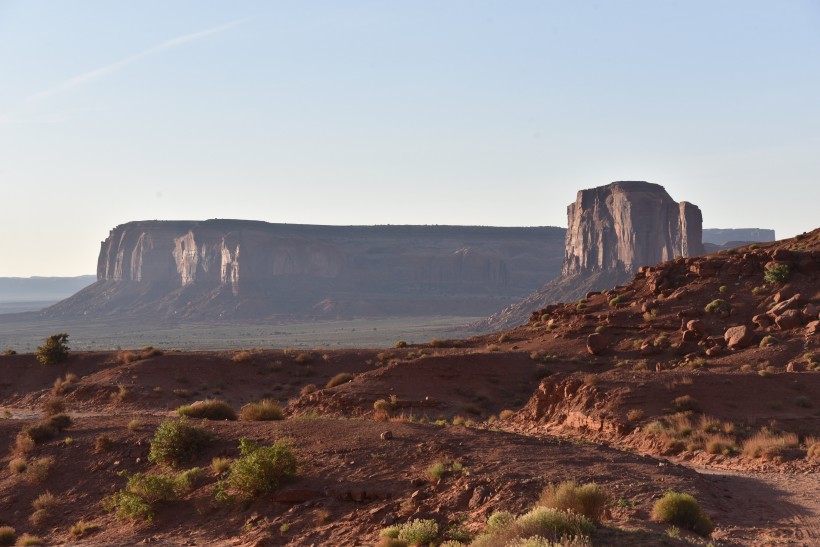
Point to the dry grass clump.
(18, 465)
(383, 409)
(130, 356)
(264, 410)
(686, 402)
(682, 510)
(82, 528)
(812, 448)
(38, 469)
(414, 532)
(27, 540)
(63, 385)
(54, 405)
(505, 414)
(210, 409)
(339, 379)
(103, 443)
(220, 465)
(7, 535)
(589, 500)
(683, 431)
(635, 415)
(303, 359)
(41, 431)
(769, 445)
(540, 524)
(241, 357)
(42, 506)
(308, 389)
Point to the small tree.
(54, 350)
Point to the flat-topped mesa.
(628, 224)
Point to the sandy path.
(766, 508)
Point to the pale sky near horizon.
(424, 112)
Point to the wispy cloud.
(91, 75)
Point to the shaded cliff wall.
(256, 270)
(625, 225)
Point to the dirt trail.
(766, 508)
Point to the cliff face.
(625, 225)
(202, 270)
(612, 231)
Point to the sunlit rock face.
(218, 269)
(625, 225)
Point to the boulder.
(597, 343)
(813, 328)
(763, 320)
(792, 303)
(690, 336)
(739, 337)
(697, 325)
(809, 312)
(789, 319)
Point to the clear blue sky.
(422, 112)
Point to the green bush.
(176, 442)
(128, 506)
(776, 274)
(682, 510)
(401, 344)
(54, 350)
(261, 469)
(616, 300)
(414, 532)
(211, 409)
(717, 305)
(588, 499)
(264, 410)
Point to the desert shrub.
(150, 351)
(682, 510)
(308, 389)
(177, 441)
(220, 465)
(128, 506)
(769, 445)
(723, 288)
(339, 379)
(686, 402)
(211, 409)
(812, 448)
(635, 414)
(42, 431)
(27, 540)
(261, 469)
(505, 414)
(303, 359)
(383, 410)
(616, 300)
(134, 425)
(589, 500)
(549, 523)
(9, 352)
(54, 405)
(499, 520)
(82, 528)
(717, 305)
(125, 357)
(436, 471)
(264, 410)
(18, 465)
(62, 385)
(413, 532)
(241, 357)
(103, 443)
(46, 500)
(776, 274)
(719, 444)
(661, 341)
(7, 535)
(54, 350)
(38, 469)
(767, 341)
(401, 344)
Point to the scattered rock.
(789, 319)
(690, 336)
(813, 328)
(479, 493)
(762, 320)
(386, 435)
(792, 303)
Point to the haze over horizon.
(369, 113)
